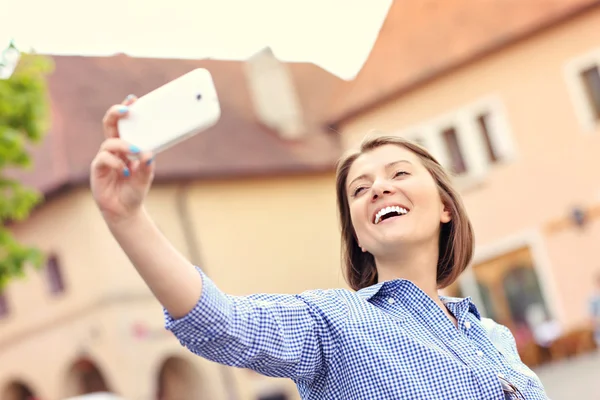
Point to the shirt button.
(467, 324)
(479, 353)
(391, 300)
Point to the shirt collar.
(370, 291)
(456, 303)
(453, 303)
(386, 288)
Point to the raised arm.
(171, 277)
(289, 336)
(119, 187)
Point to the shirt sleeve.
(290, 336)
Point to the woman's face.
(393, 201)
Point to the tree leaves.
(24, 110)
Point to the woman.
(405, 235)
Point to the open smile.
(389, 212)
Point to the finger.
(129, 100)
(121, 148)
(142, 170)
(145, 163)
(112, 116)
(110, 162)
(146, 159)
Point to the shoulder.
(504, 341)
(500, 335)
(328, 298)
(324, 302)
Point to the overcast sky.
(335, 34)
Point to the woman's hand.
(120, 174)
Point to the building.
(506, 94)
(238, 199)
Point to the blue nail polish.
(123, 109)
(134, 149)
(150, 161)
(126, 172)
(130, 97)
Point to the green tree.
(24, 111)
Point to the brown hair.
(456, 236)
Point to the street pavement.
(575, 379)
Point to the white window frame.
(473, 146)
(501, 134)
(583, 109)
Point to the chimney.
(274, 96)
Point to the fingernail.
(130, 97)
(150, 161)
(134, 149)
(126, 172)
(123, 109)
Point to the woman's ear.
(446, 215)
(358, 243)
(359, 246)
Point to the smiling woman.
(400, 172)
(406, 234)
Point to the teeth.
(387, 210)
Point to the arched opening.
(17, 391)
(178, 379)
(84, 377)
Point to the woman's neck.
(417, 264)
(419, 267)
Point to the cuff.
(207, 320)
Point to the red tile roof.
(420, 40)
(82, 88)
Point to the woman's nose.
(380, 189)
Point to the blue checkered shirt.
(387, 341)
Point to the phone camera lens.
(198, 97)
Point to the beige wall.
(273, 235)
(555, 166)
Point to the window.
(4, 308)
(469, 140)
(457, 159)
(483, 125)
(582, 76)
(56, 283)
(591, 82)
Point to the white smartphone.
(172, 113)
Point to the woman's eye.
(400, 173)
(358, 190)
